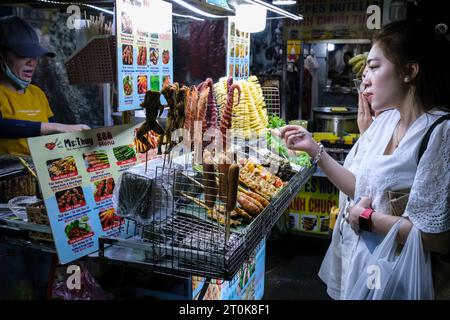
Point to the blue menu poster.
(238, 52)
(144, 50)
(77, 174)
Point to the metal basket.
(272, 99)
(94, 63)
(37, 213)
(184, 242)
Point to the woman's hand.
(298, 138)
(74, 127)
(52, 128)
(353, 213)
(364, 118)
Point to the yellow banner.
(332, 19)
(310, 209)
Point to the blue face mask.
(22, 84)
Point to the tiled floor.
(292, 264)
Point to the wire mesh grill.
(272, 99)
(181, 240)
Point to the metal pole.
(107, 109)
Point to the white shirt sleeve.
(428, 207)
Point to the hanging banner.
(238, 52)
(77, 174)
(144, 49)
(332, 19)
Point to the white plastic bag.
(388, 276)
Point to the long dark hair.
(404, 42)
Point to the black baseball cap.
(19, 37)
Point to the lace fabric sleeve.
(428, 207)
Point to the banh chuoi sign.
(335, 19)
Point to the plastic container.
(18, 205)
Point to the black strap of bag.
(426, 137)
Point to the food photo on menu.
(154, 56)
(127, 54)
(231, 49)
(69, 199)
(142, 56)
(127, 25)
(128, 85)
(62, 168)
(103, 189)
(109, 219)
(154, 83)
(96, 160)
(124, 153)
(142, 83)
(309, 223)
(165, 56)
(78, 230)
(166, 80)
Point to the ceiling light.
(250, 18)
(284, 2)
(187, 16)
(276, 9)
(196, 10)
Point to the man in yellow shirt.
(24, 108)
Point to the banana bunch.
(358, 63)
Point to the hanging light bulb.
(284, 2)
(250, 17)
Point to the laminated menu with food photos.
(144, 50)
(77, 175)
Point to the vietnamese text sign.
(77, 174)
(144, 49)
(332, 19)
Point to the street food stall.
(193, 191)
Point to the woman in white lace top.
(407, 68)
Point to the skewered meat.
(252, 200)
(209, 180)
(227, 112)
(233, 182)
(152, 106)
(248, 205)
(263, 201)
(223, 167)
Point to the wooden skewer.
(195, 200)
(27, 166)
(193, 180)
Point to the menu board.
(247, 284)
(238, 52)
(77, 174)
(144, 49)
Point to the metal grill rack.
(184, 242)
(272, 99)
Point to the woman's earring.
(407, 79)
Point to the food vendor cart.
(79, 218)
